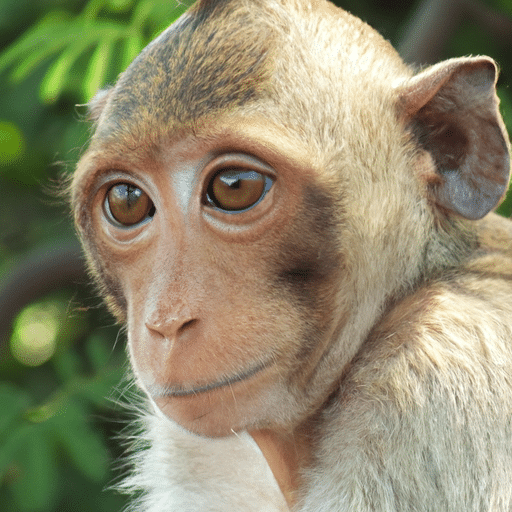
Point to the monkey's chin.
(217, 409)
(216, 413)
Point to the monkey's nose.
(172, 328)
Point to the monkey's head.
(262, 181)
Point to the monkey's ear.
(453, 109)
(97, 104)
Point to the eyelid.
(111, 177)
(238, 161)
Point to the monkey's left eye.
(128, 205)
(236, 190)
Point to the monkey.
(297, 230)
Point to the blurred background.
(62, 357)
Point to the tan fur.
(357, 321)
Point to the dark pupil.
(133, 194)
(232, 183)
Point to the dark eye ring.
(235, 190)
(127, 205)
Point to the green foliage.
(505, 5)
(41, 436)
(67, 37)
(12, 142)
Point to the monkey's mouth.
(174, 391)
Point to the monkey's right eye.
(237, 190)
(128, 205)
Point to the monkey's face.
(210, 230)
(222, 268)
(250, 225)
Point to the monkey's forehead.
(224, 55)
(210, 60)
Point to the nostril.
(187, 325)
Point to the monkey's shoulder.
(494, 234)
(431, 386)
(436, 344)
(437, 338)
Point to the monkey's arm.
(423, 421)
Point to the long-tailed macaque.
(294, 226)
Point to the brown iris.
(128, 204)
(237, 190)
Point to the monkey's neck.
(286, 454)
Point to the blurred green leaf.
(119, 5)
(100, 390)
(55, 79)
(36, 44)
(12, 443)
(160, 13)
(12, 143)
(74, 37)
(132, 46)
(67, 364)
(83, 444)
(91, 10)
(36, 488)
(98, 352)
(506, 5)
(143, 11)
(59, 31)
(13, 401)
(97, 69)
